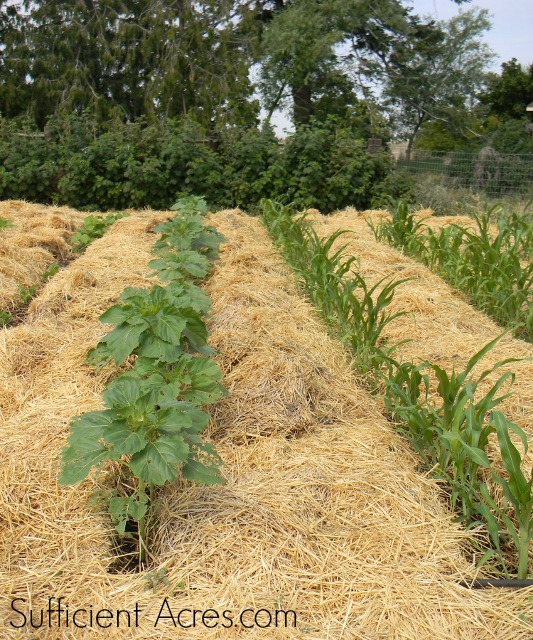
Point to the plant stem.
(142, 529)
(523, 553)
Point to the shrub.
(151, 164)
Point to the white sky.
(511, 35)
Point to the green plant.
(451, 438)
(156, 578)
(353, 310)
(27, 293)
(517, 493)
(93, 227)
(5, 319)
(492, 269)
(50, 272)
(402, 230)
(5, 223)
(152, 420)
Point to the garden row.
(33, 248)
(152, 421)
(451, 432)
(492, 267)
(323, 511)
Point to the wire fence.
(488, 172)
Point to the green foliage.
(325, 167)
(144, 58)
(152, 422)
(93, 227)
(155, 433)
(50, 272)
(452, 438)
(512, 136)
(517, 493)
(356, 312)
(508, 94)
(6, 319)
(5, 223)
(150, 164)
(490, 270)
(26, 293)
(156, 578)
(451, 434)
(155, 323)
(28, 165)
(432, 72)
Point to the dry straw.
(439, 324)
(38, 238)
(323, 511)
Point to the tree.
(136, 57)
(433, 72)
(298, 48)
(304, 48)
(508, 94)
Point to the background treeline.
(137, 164)
(126, 103)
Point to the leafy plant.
(517, 493)
(49, 273)
(156, 578)
(5, 223)
(5, 319)
(27, 293)
(152, 323)
(451, 438)
(152, 420)
(401, 230)
(93, 227)
(353, 310)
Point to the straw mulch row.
(440, 325)
(437, 222)
(40, 237)
(322, 512)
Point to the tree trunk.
(302, 104)
(412, 137)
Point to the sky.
(512, 22)
(511, 35)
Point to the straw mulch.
(323, 511)
(440, 326)
(40, 237)
(435, 222)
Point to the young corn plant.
(517, 523)
(401, 231)
(451, 437)
(350, 308)
(152, 422)
(494, 270)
